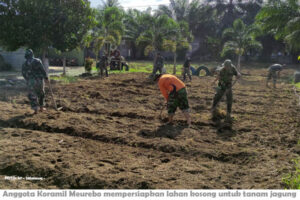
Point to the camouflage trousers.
(157, 68)
(186, 70)
(36, 93)
(272, 75)
(102, 69)
(219, 95)
(178, 99)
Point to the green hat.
(28, 53)
(227, 63)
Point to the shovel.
(52, 97)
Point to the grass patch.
(297, 85)
(147, 67)
(65, 79)
(292, 180)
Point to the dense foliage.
(64, 25)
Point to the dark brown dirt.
(109, 136)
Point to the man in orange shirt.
(175, 95)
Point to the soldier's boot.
(36, 110)
(274, 84)
(170, 119)
(214, 114)
(228, 118)
(42, 109)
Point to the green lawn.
(297, 85)
(65, 79)
(147, 66)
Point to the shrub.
(88, 65)
(292, 180)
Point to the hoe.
(52, 98)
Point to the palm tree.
(109, 3)
(180, 41)
(227, 11)
(134, 26)
(240, 39)
(177, 9)
(293, 36)
(157, 29)
(109, 30)
(281, 18)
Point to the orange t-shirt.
(167, 82)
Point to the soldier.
(226, 72)
(274, 73)
(186, 68)
(124, 64)
(34, 73)
(102, 66)
(175, 95)
(158, 65)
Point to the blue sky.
(138, 4)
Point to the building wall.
(77, 54)
(15, 58)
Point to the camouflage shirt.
(275, 68)
(226, 75)
(187, 64)
(159, 61)
(33, 69)
(102, 63)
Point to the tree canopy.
(282, 19)
(64, 24)
(40, 24)
(240, 39)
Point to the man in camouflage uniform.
(34, 73)
(186, 68)
(159, 64)
(226, 72)
(124, 64)
(102, 66)
(274, 73)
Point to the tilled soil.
(109, 135)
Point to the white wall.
(15, 58)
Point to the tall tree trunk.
(174, 68)
(97, 52)
(133, 52)
(44, 51)
(154, 56)
(45, 60)
(64, 65)
(239, 63)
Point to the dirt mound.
(109, 135)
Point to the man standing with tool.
(226, 72)
(187, 69)
(102, 66)
(175, 95)
(158, 64)
(34, 73)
